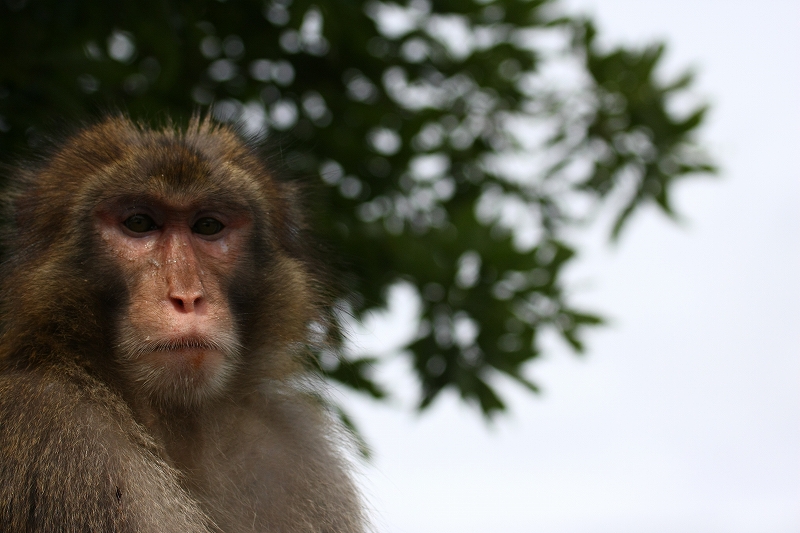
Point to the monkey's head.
(171, 259)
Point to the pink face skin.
(177, 337)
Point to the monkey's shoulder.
(74, 460)
(42, 408)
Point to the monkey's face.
(177, 337)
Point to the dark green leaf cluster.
(633, 131)
(411, 117)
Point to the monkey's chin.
(184, 376)
(182, 372)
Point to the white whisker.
(174, 380)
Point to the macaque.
(158, 303)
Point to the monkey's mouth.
(196, 352)
(184, 344)
(137, 346)
(191, 357)
(183, 368)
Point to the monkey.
(159, 300)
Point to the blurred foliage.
(453, 142)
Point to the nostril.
(186, 304)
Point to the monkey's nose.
(186, 295)
(186, 303)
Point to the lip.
(183, 344)
(192, 356)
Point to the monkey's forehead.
(177, 159)
(181, 179)
(119, 156)
(229, 206)
(115, 159)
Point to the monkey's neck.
(183, 433)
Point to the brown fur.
(86, 444)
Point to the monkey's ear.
(293, 233)
(42, 191)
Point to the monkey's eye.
(207, 226)
(140, 223)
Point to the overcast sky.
(684, 415)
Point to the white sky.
(684, 416)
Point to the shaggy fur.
(91, 442)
